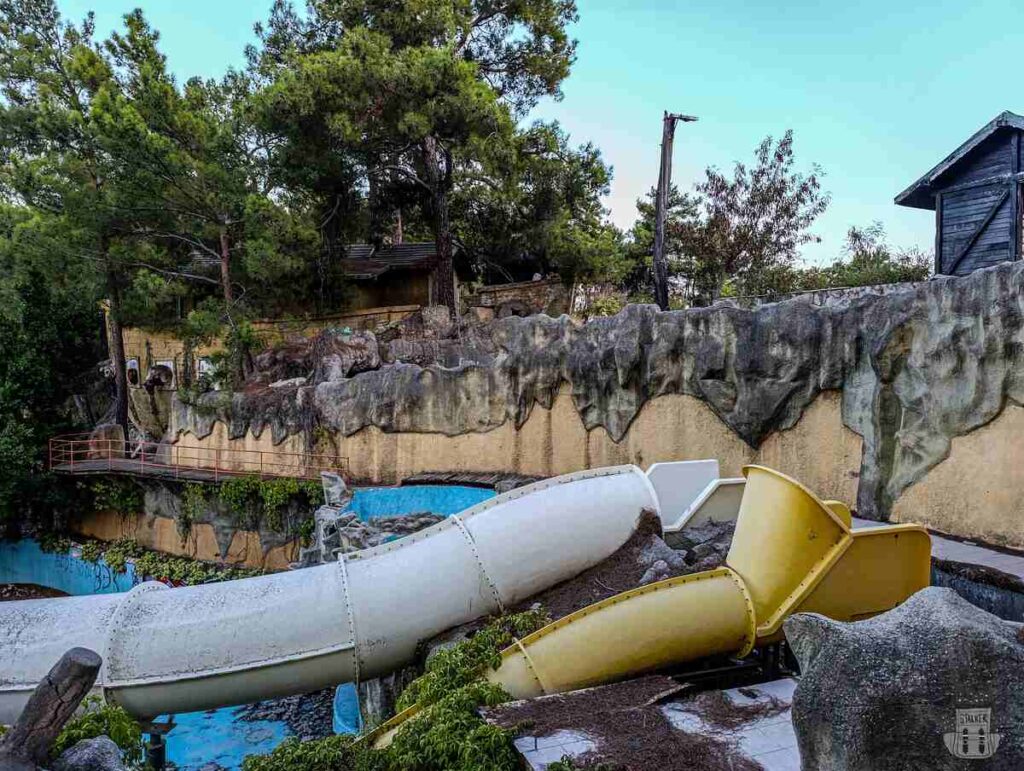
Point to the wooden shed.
(975, 193)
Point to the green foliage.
(194, 500)
(448, 735)
(461, 664)
(100, 719)
(334, 753)
(163, 567)
(92, 551)
(49, 328)
(117, 554)
(451, 735)
(606, 305)
(746, 227)
(117, 494)
(52, 543)
(189, 572)
(253, 502)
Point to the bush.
(448, 734)
(120, 495)
(103, 720)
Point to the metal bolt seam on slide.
(457, 521)
(213, 645)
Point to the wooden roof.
(921, 194)
(365, 262)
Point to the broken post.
(51, 705)
(660, 265)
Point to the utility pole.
(668, 132)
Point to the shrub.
(120, 495)
(448, 734)
(103, 720)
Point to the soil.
(621, 572)
(10, 592)
(624, 720)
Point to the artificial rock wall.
(905, 401)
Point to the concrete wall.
(161, 534)
(819, 449)
(978, 491)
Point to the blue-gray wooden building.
(975, 193)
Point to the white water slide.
(202, 647)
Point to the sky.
(876, 92)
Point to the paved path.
(969, 553)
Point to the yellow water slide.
(791, 552)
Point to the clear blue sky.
(876, 92)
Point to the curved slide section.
(791, 552)
(203, 647)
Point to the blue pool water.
(218, 736)
(373, 502)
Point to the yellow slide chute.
(791, 552)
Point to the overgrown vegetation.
(448, 734)
(255, 503)
(180, 571)
(99, 719)
(117, 494)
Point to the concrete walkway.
(969, 553)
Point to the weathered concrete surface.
(916, 367)
(881, 694)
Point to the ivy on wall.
(156, 565)
(117, 494)
(251, 502)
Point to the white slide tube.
(203, 647)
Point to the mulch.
(626, 723)
(13, 592)
(621, 572)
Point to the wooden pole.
(51, 705)
(668, 131)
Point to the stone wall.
(904, 402)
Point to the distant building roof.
(364, 261)
(921, 195)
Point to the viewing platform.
(85, 454)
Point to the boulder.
(99, 754)
(934, 684)
(341, 353)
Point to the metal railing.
(85, 454)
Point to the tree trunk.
(52, 703)
(225, 266)
(439, 180)
(116, 334)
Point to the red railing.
(85, 454)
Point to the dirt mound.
(643, 559)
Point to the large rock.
(99, 754)
(884, 694)
(339, 354)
